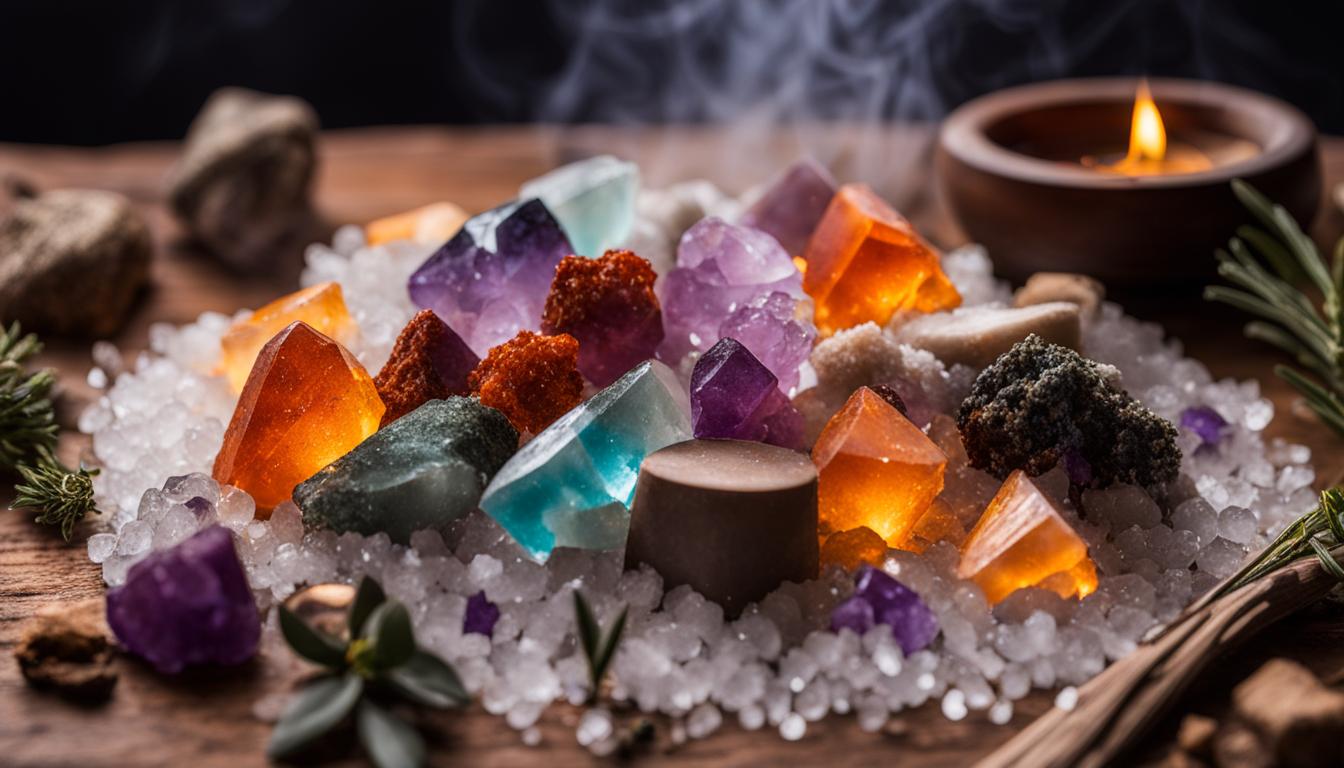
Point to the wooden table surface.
(205, 719)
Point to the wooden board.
(206, 719)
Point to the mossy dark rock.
(424, 470)
(1039, 404)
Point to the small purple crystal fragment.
(794, 203)
(187, 605)
(855, 613)
(720, 267)
(912, 624)
(1077, 467)
(734, 396)
(199, 506)
(1205, 422)
(490, 281)
(770, 327)
(480, 616)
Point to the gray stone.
(242, 185)
(72, 262)
(424, 470)
(1044, 287)
(976, 336)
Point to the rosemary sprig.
(379, 663)
(1291, 321)
(1313, 533)
(28, 432)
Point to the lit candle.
(1150, 153)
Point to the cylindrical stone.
(732, 519)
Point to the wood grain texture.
(204, 718)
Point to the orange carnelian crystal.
(865, 262)
(321, 307)
(937, 524)
(306, 403)
(433, 223)
(1022, 541)
(876, 469)
(852, 548)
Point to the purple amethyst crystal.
(790, 209)
(855, 613)
(187, 605)
(720, 267)
(1205, 422)
(734, 396)
(912, 624)
(770, 327)
(480, 616)
(490, 281)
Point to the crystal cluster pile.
(932, 587)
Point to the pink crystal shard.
(490, 281)
(790, 209)
(720, 267)
(733, 396)
(770, 326)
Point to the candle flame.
(1147, 135)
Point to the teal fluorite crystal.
(423, 470)
(593, 199)
(572, 484)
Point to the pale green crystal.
(593, 199)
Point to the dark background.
(100, 72)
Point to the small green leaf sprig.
(378, 664)
(598, 648)
(28, 430)
(1289, 318)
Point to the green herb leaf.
(316, 710)
(389, 630)
(61, 498)
(426, 679)
(1328, 561)
(310, 643)
(589, 633)
(609, 646)
(368, 595)
(390, 741)
(27, 417)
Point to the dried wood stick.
(1118, 707)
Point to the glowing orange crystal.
(1022, 541)
(865, 262)
(431, 224)
(306, 403)
(321, 307)
(532, 379)
(852, 548)
(938, 523)
(877, 469)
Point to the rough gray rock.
(72, 262)
(242, 185)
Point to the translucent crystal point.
(490, 281)
(877, 469)
(865, 262)
(1023, 541)
(572, 484)
(321, 306)
(306, 403)
(793, 204)
(594, 200)
(734, 396)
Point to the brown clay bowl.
(1008, 168)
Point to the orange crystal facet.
(876, 469)
(852, 548)
(939, 523)
(431, 224)
(321, 307)
(306, 403)
(531, 379)
(1023, 541)
(865, 262)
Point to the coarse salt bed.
(158, 425)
